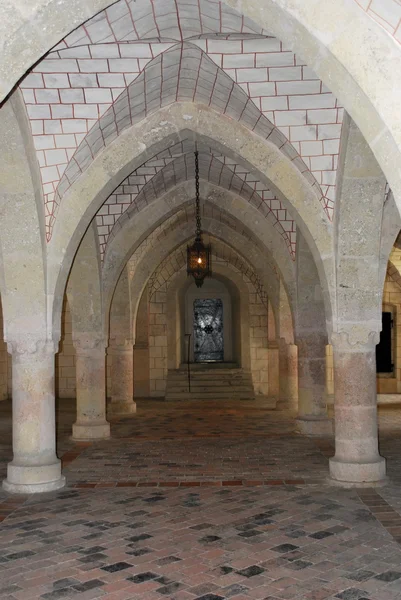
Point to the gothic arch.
(167, 126)
(365, 81)
(136, 230)
(22, 248)
(176, 240)
(232, 279)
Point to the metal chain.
(198, 217)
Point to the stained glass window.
(208, 330)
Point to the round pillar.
(91, 421)
(312, 412)
(35, 466)
(288, 369)
(357, 461)
(122, 380)
(292, 375)
(273, 371)
(329, 381)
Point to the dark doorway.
(384, 363)
(208, 330)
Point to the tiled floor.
(189, 502)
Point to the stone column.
(329, 381)
(312, 411)
(288, 373)
(357, 460)
(273, 366)
(292, 377)
(91, 421)
(311, 339)
(35, 466)
(122, 380)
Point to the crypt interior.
(200, 281)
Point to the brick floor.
(202, 502)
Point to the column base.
(353, 474)
(90, 431)
(33, 479)
(318, 426)
(283, 404)
(121, 408)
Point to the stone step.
(209, 374)
(209, 396)
(211, 389)
(207, 381)
(210, 383)
(210, 366)
(220, 385)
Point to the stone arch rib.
(181, 74)
(214, 170)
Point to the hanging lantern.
(199, 254)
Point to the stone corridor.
(201, 501)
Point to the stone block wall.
(150, 362)
(386, 383)
(141, 372)
(258, 341)
(392, 302)
(65, 358)
(329, 371)
(109, 362)
(141, 349)
(158, 342)
(65, 363)
(5, 363)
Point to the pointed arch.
(184, 73)
(365, 80)
(168, 126)
(217, 173)
(136, 230)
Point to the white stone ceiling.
(125, 63)
(173, 20)
(165, 172)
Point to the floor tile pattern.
(208, 530)
(281, 542)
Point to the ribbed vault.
(183, 73)
(141, 189)
(221, 252)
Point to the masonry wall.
(258, 328)
(65, 358)
(5, 362)
(141, 350)
(386, 383)
(391, 383)
(158, 342)
(150, 350)
(258, 319)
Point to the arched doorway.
(209, 327)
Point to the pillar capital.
(31, 345)
(120, 344)
(85, 343)
(355, 339)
